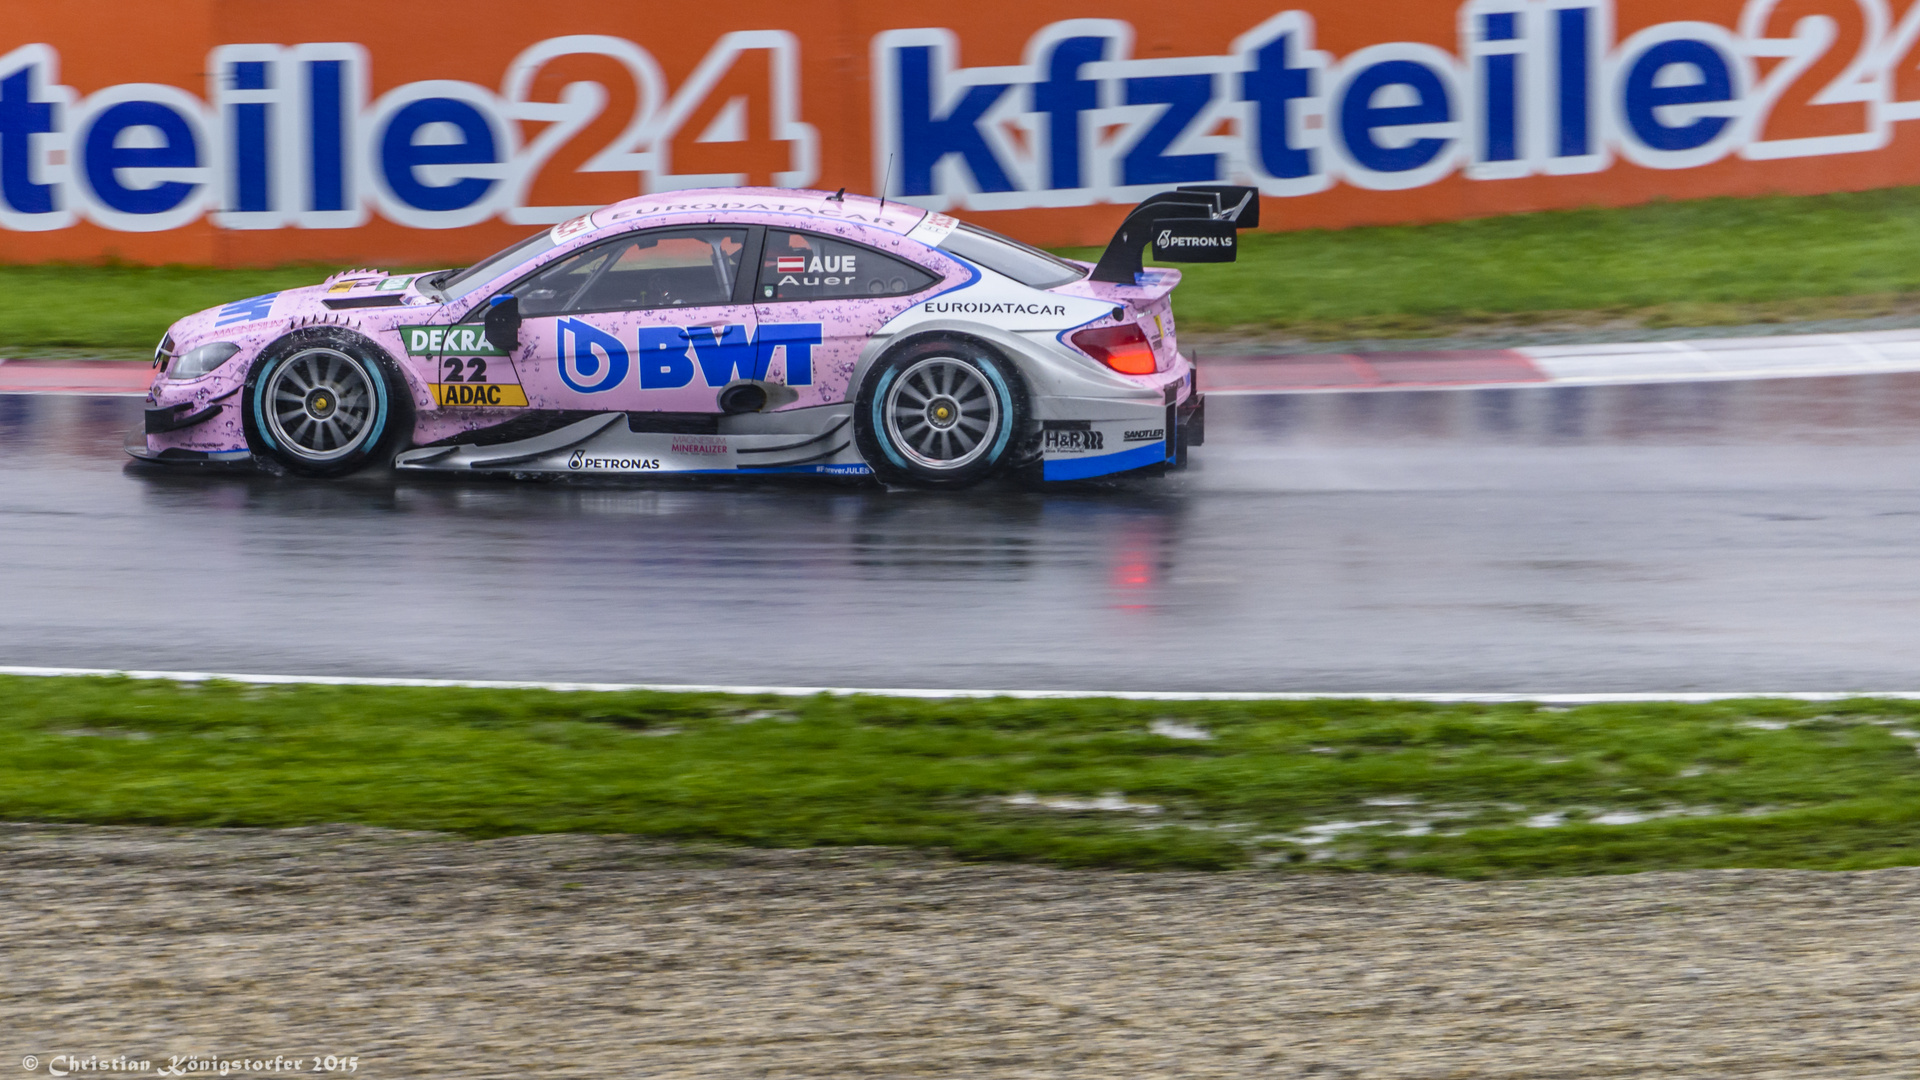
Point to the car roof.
(766, 206)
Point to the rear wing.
(1188, 224)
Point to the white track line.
(847, 691)
(1787, 356)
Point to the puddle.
(95, 733)
(765, 714)
(1766, 725)
(1327, 831)
(1393, 800)
(1111, 801)
(1174, 729)
(1589, 816)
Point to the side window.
(801, 266)
(678, 268)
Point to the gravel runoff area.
(578, 956)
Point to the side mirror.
(503, 323)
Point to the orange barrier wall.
(240, 132)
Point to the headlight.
(197, 362)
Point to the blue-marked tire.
(325, 403)
(941, 412)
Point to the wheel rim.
(942, 413)
(320, 404)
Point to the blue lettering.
(1572, 25)
(725, 356)
(250, 310)
(664, 363)
(327, 170)
(104, 160)
(21, 118)
(1360, 118)
(1642, 97)
(579, 364)
(925, 139)
(1270, 86)
(250, 140)
(799, 340)
(1063, 97)
(1501, 135)
(400, 155)
(1184, 97)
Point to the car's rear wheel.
(939, 413)
(323, 403)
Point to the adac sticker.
(465, 339)
(480, 395)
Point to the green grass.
(120, 309)
(1816, 786)
(1708, 262)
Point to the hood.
(370, 296)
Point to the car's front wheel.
(939, 413)
(323, 403)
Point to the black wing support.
(1188, 224)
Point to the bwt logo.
(1533, 87)
(593, 360)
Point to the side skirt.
(816, 441)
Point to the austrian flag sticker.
(792, 264)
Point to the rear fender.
(1010, 347)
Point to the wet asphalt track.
(1711, 536)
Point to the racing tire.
(939, 413)
(325, 403)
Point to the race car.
(739, 330)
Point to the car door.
(823, 297)
(652, 321)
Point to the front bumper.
(139, 446)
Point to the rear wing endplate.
(1188, 224)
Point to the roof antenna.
(886, 180)
(838, 196)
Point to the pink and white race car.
(719, 331)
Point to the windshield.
(457, 283)
(1023, 263)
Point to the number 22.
(475, 370)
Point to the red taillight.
(1125, 349)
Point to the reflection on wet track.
(1710, 536)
